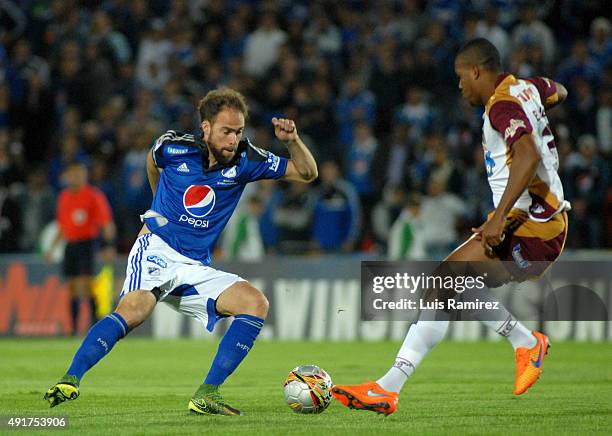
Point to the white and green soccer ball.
(308, 389)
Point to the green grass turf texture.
(144, 385)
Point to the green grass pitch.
(144, 385)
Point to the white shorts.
(187, 286)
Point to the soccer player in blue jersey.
(197, 181)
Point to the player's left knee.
(243, 298)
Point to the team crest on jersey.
(513, 127)
(230, 173)
(518, 257)
(199, 200)
(273, 161)
(489, 163)
(157, 260)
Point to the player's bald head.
(480, 52)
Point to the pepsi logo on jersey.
(198, 201)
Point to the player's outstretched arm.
(302, 166)
(152, 172)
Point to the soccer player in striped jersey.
(522, 236)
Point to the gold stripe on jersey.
(519, 224)
(539, 187)
(502, 93)
(545, 231)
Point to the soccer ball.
(308, 389)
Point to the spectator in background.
(37, 203)
(14, 22)
(441, 212)
(600, 42)
(580, 65)
(337, 212)
(82, 213)
(96, 70)
(355, 104)
(23, 64)
(113, 44)
(70, 151)
(360, 168)
(323, 128)
(406, 236)
(490, 29)
(438, 43)
(583, 111)
(519, 61)
(241, 238)
(394, 159)
(386, 84)
(152, 66)
(33, 116)
(588, 189)
(441, 167)
(416, 112)
(293, 217)
(386, 211)
(70, 85)
(233, 46)
(410, 21)
(531, 30)
(261, 49)
(325, 34)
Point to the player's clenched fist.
(284, 129)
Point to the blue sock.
(233, 348)
(100, 339)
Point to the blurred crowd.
(369, 83)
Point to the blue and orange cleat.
(367, 396)
(529, 363)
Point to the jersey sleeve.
(103, 210)
(263, 164)
(509, 119)
(547, 89)
(159, 157)
(62, 214)
(170, 146)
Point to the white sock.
(421, 338)
(501, 320)
(514, 330)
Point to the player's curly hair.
(218, 99)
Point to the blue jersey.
(193, 203)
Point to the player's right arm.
(153, 172)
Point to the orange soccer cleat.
(529, 363)
(367, 396)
